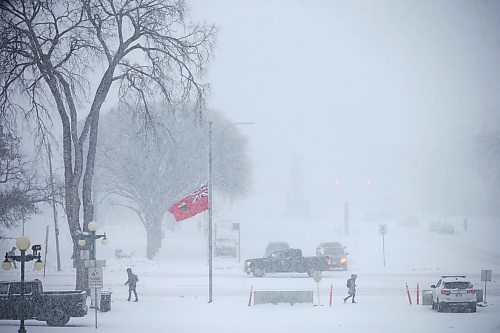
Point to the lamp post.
(23, 243)
(92, 236)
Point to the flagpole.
(210, 212)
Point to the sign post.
(383, 230)
(236, 227)
(95, 280)
(317, 276)
(486, 277)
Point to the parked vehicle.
(453, 291)
(226, 247)
(275, 246)
(287, 261)
(54, 307)
(441, 227)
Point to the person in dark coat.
(132, 283)
(351, 284)
(13, 253)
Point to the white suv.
(453, 291)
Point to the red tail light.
(445, 292)
(329, 262)
(471, 291)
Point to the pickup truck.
(287, 261)
(54, 307)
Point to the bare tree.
(20, 188)
(148, 170)
(52, 54)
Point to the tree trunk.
(74, 225)
(154, 234)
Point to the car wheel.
(440, 306)
(257, 272)
(473, 307)
(57, 317)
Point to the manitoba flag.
(191, 205)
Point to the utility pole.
(54, 210)
(46, 249)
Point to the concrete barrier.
(281, 296)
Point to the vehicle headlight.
(343, 260)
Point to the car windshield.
(457, 285)
(331, 244)
(15, 289)
(4, 289)
(334, 251)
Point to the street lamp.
(92, 236)
(23, 243)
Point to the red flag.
(191, 205)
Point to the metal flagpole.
(210, 213)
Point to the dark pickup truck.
(287, 261)
(54, 307)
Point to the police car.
(453, 291)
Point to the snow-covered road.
(173, 289)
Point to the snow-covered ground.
(173, 289)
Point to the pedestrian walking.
(351, 285)
(13, 253)
(132, 283)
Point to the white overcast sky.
(353, 91)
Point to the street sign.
(95, 263)
(382, 229)
(317, 276)
(84, 254)
(95, 277)
(486, 275)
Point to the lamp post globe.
(6, 265)
(38, 265)
(23, 243)
(93, 226)
(104, 241)
(81, 242)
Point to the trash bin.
(427, 297)
(105, 301)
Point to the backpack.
(348, 283)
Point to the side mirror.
(433, 286)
